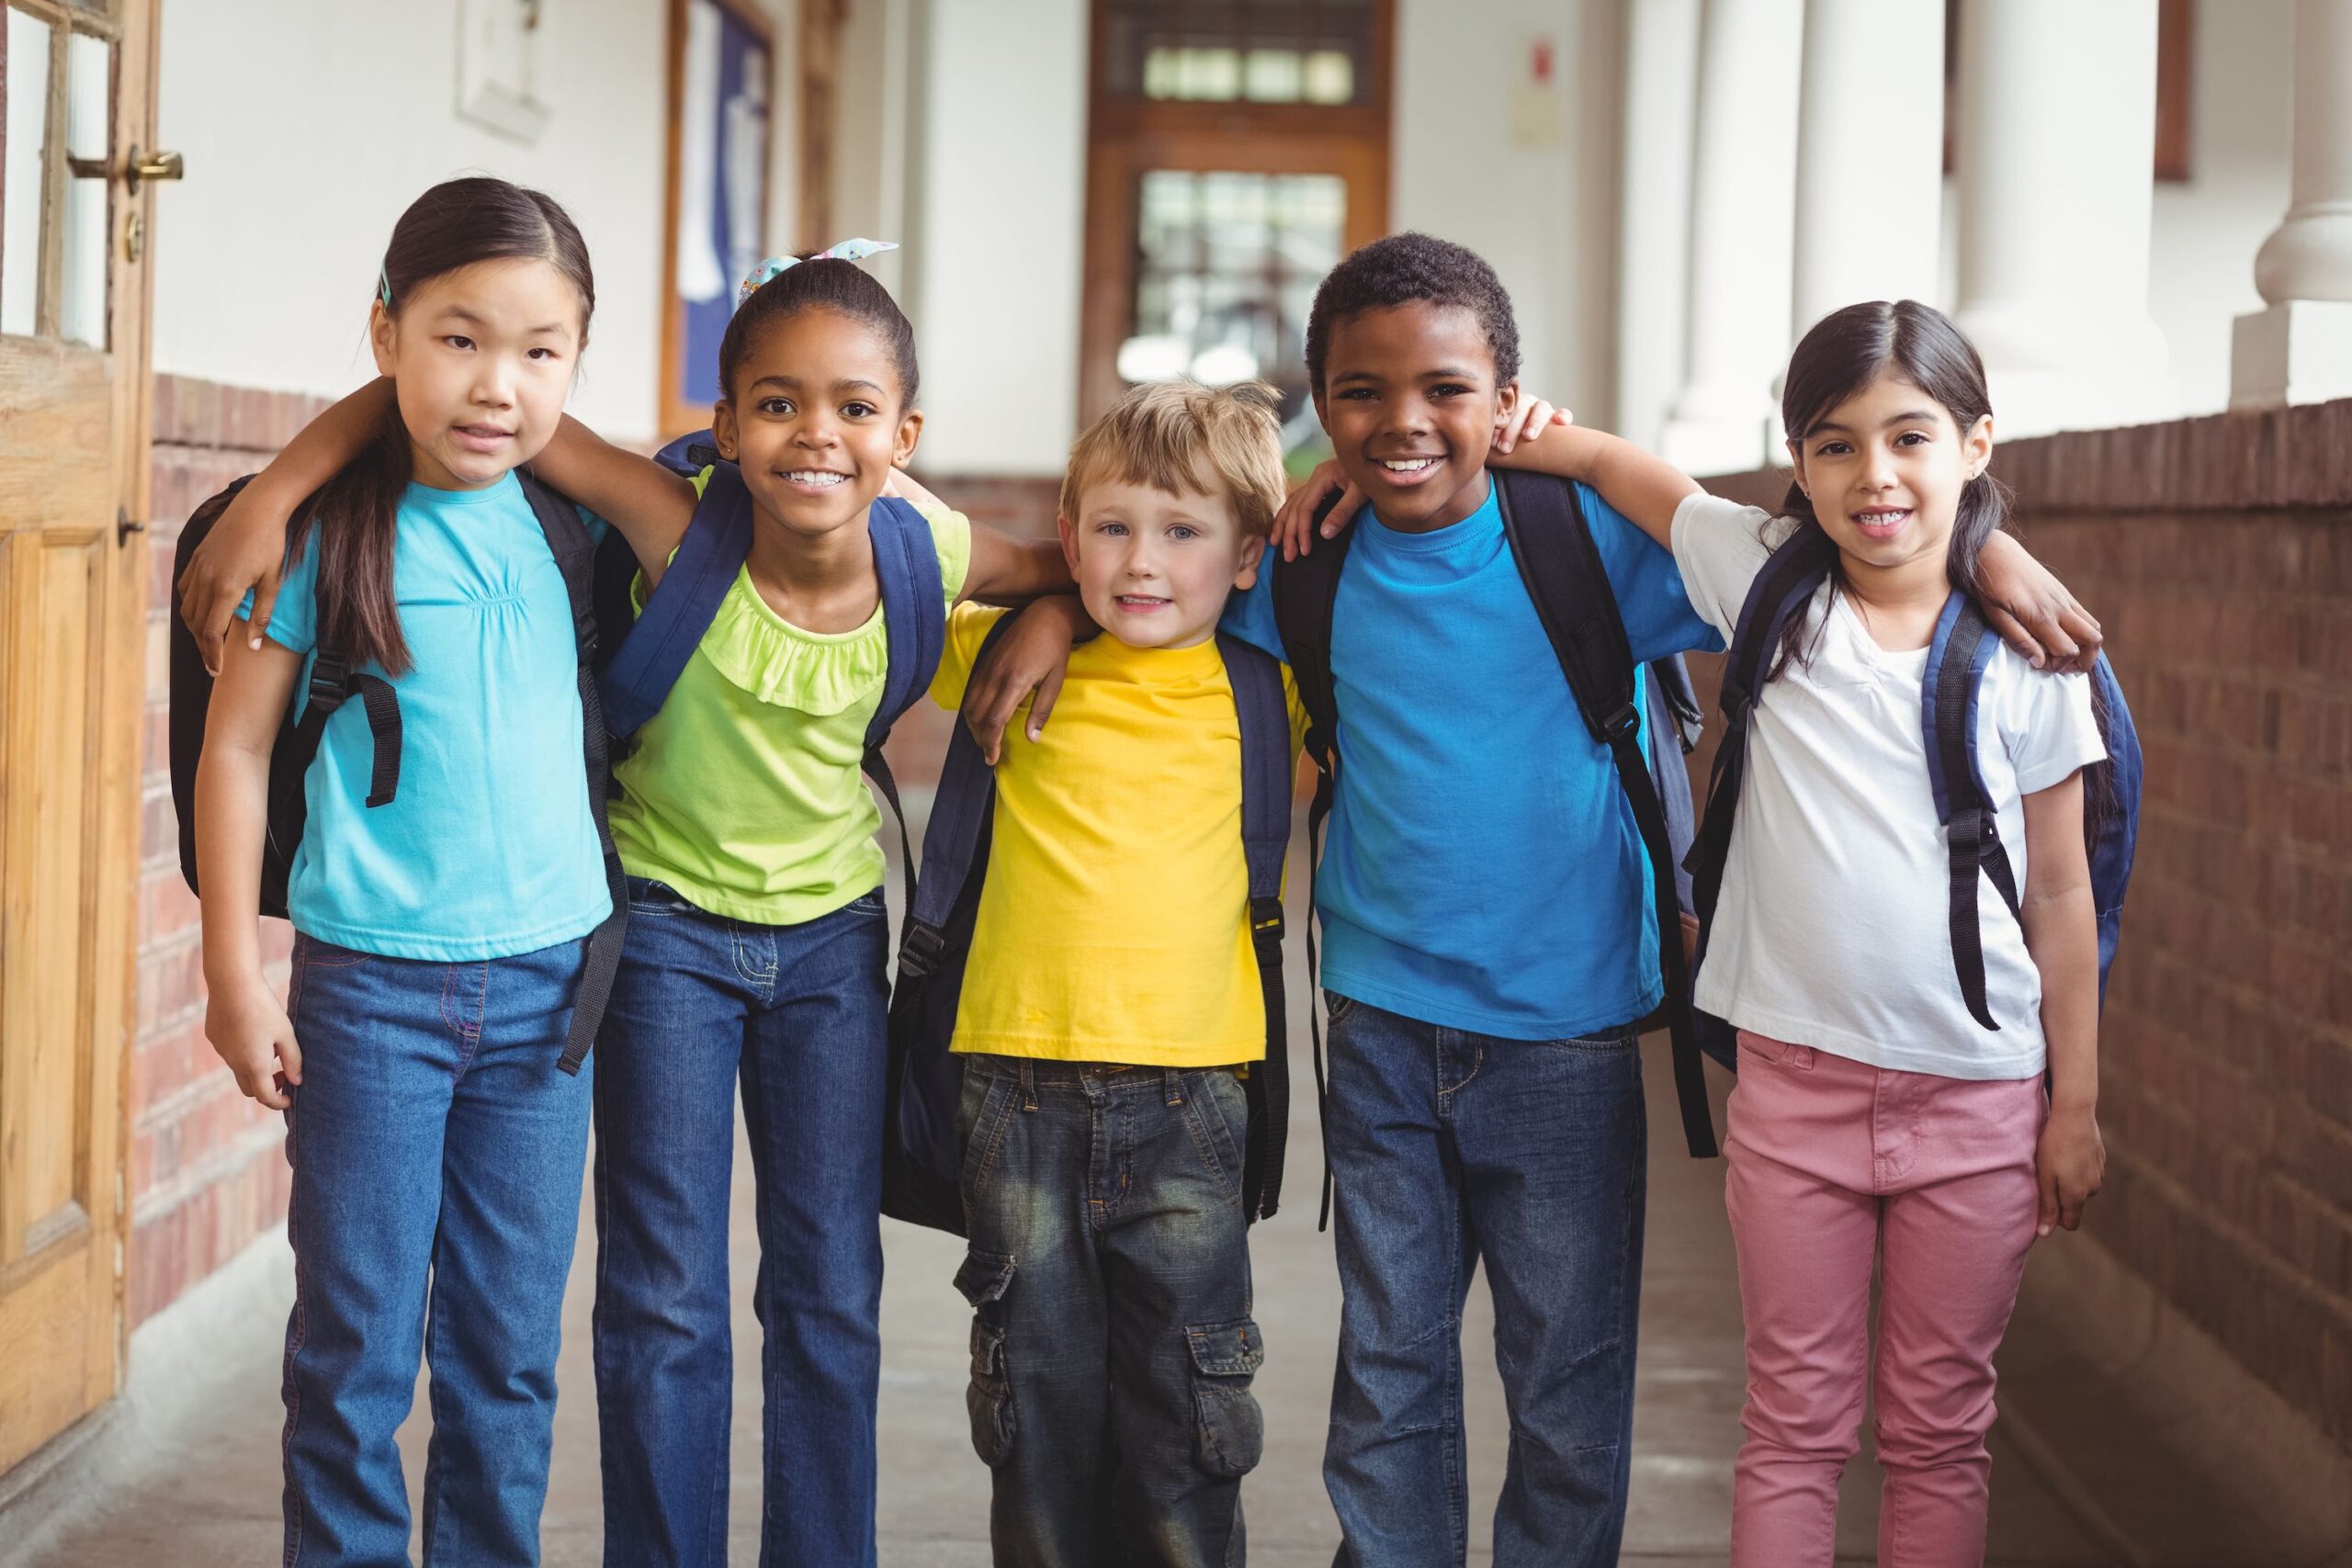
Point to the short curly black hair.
(1406, 267)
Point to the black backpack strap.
(962, 809)
(1258, 700)
(575, 557)
(914, 617)
(1568, 583)
(1957, 657)
(1305, 590)
(333, 683)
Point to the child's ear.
(1507, 400)
(1977, 446)
(380, 337)
(1253, 551)
(1797, 462)
(1068, 531)
(723, 434)
(910, 433)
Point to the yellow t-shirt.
(1113, 925)
(743, 792)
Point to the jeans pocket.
(1337, 1007)
(1624, 1038)
(309, 953)
(1780, 1053)
(982, 1112)
(1230, 1431)
(983, 1279)
(1216, 1110)
(646, 896)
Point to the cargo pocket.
(1229, 1432)
(984, 1278)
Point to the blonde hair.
(1163, 434)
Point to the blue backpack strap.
(1257, 702)
(1957, 657)
(1782, 587)
(575, 557)
(922, 1156)
(681, 605)
(2115, 841)
(914, 618)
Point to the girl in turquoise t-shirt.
(436, 1149)
(757, 939)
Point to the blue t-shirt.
(489, 848)
(1482, 870)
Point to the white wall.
(1544, 215)
(996, 243)
(310, 125)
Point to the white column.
(1743, 204)
(2300, 350)
(2056, 156)
(1654, 213)
(1870, 155)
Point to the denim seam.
(1196, 1122)
(297, 1332)
(436, 1515)
(469, 1037)
(995, 1127)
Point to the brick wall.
(2216, 554)
(206, 1175)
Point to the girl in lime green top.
(757, 936)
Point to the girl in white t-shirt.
(1875, 1119)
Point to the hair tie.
(775, 267)
(384, 286)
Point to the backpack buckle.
(918, 953)
(329, 683)
(1622, 725)
(1266, 920)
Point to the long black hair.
(1845, 352)
(454, 225)
(825, 283)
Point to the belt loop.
(1028, 1087)
(1171, 1079)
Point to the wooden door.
(78, 77)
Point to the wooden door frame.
(1127, 136)
(108, 913)
(677, 412)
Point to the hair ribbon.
(846, 250)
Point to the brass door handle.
(136, 167)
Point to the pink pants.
(1834, 1162)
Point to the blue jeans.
(798, 1012)
(1112, 1343)
(437, 1154)
(1447, 1147)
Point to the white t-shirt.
(1833, 928)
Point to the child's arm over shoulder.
(242, 1015)
(1644, 489)
(650, 504)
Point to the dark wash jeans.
(1112, 1343)
(798, 1013)
(1449, 1147)
(436, 1154)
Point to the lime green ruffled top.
(743, 792)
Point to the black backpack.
(922, 1156)
(333, 681)
(1566, 578)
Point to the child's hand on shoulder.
(2069, 1163)
(1530, 420)
(1034, 656)
(255, 1038)
(245, 549)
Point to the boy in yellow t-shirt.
(1111, 995)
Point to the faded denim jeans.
(1449, 1147)
(1112, 1347)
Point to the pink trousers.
(1833, 1164)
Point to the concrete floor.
(202, 1489)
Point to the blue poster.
(723, 184)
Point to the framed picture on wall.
(722, 104)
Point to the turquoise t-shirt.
(488, 848)
(1482, 870)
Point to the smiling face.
(1410, 400)
(1885, 470)
(814, 416)
(482, 359)
(1154, 565)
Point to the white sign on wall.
(501, 65)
